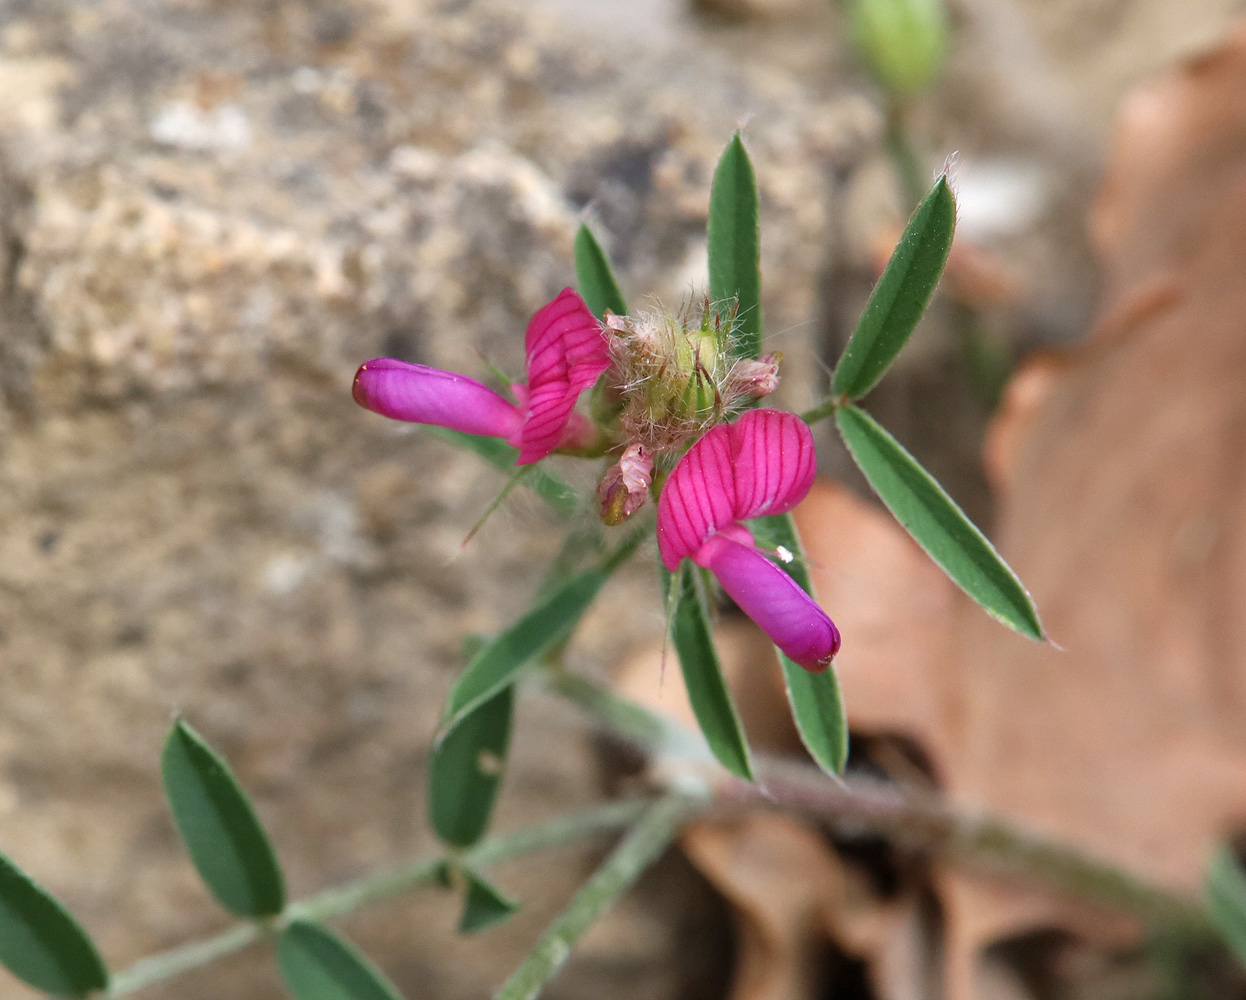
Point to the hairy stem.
(336, 902)
(643, 844)
(982, 842)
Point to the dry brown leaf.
(780, 878)
(1125, 514)
(1122, 470)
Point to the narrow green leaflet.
(596, 280)
(550, 622)
(466, 769)
(703, 677)
(735, 245)
(936, 523)
(41, 943)
(219, 827)
(1225, 897)
(484, 906)
(318, 965)
(498, 453)
(901, 295)
(493, 668)
(816, 700)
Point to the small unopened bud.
(754, 379)
(625, 486)
(903, 41)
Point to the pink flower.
(761, 464)
(566, 352)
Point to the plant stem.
(336, 902)
(643, 844)
(824, 409)
(983, 842)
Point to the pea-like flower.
(566, 351)
(763, 463)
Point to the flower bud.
(676, 374)
(625, 486)
(903, 41)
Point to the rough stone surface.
(211, 212)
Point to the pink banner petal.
(764, 463)
(770, 597)
(566, 352)
(775, 462)
(698, 498)
(424, 395)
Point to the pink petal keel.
(764, 463)
(424, 395)
(772, 599)
(566, 352)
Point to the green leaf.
(219, 827)
(1225, 896)
(499, 454)
(484, 906)
(494, 667)
(936, 523)
(466, 769)
(592, 271)
(816, 700)
(41, 943)
(318, 965)
(703, 677)
(901, 295)
(735, 245)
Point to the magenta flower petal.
(566, 352)
(424, 395)
(771, 598)
(764, 463)
(775, 462)
(698, 498)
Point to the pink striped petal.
(771, 598)
(566, 352)
(775, 462)
(424, 395)
(764, 463)
(698, 498)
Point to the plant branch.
(643, 844)
(336, 902)
(982, 842)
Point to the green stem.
(824, 409)
(904, 157)
(336, 902)
(983, 842)
(643, 844)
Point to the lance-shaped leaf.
(318, 965)
(598, 288)
(936, 523)
(816, 699)
(499, 454)
(901, 295)
(549, 623)
(708, 694)
(1225, 896)
(41, 943)
(484, 905)
(735, 245)
(466, 769)
(227, 844)
(493, 667)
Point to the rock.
(210, 214)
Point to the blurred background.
(212, 211)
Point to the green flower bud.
(903, 41)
